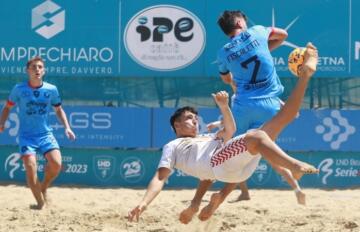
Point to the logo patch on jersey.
(46, 94)
(36, 93)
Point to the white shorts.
(233, 163)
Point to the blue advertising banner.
(94, 127)
(306, 21)
(322, 130)
(108, 167)
(126, 38)
(313, 130)
(75, 38)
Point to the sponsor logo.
(48, 19)
(326, 170)
(104, 167)
(132, 170)
(164, 37)
(335, 129)
(262, 173)
(339, 168)
(12, 164)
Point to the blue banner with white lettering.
(75, 38)
(313, 130)
(94, 127)
(135, 168)
(127, 38)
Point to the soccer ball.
(296, 59)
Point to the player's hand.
(221, 98)
(213, 125)
(2, 128)
(134, 214)
(70, 134)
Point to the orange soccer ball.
(295, 60)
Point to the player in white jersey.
(206, 157)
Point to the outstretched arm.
(153, 189)
(62, 116)
(276, 38)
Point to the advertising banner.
(94, 127)
(75, 38)
(313, 130)
(322, 130)
(121, 168)
(126, 38)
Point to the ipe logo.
(48, 19)
(164, 37)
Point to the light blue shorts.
(253, 114)
(41, 143)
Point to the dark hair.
(177, 114)
(36, 58)
(227, 21)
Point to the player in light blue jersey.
(35, 98)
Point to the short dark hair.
(36, 58)
(227, 20)
(177, 114)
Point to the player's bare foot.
(301, 197)
(303, 168)
(38, 206)
(47, 200)
(310, 60)
(187, 214)
(215, 200)
(241, 197)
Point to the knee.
(55, 166)
(30, 164)
(253, 139)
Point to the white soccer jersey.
(204, 157)
(191, 155)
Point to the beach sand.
(96, 209)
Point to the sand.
(95, 209)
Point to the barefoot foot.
(208, 211)
(187, 214)
(301, 197)
(303, 168)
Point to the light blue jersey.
(247, 57)
(34, 107)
